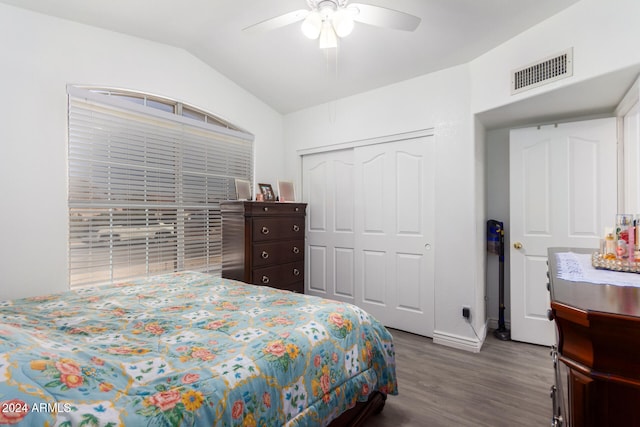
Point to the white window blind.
(145, 187)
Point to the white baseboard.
(462, 343)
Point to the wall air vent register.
(545, 71)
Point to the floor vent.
(548, 70)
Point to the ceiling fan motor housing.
(318, 4)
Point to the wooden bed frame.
(357, 416)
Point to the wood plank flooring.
(506, 384)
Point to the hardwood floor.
(506, 384)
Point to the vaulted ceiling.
(287, 70)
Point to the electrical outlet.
(466, 312)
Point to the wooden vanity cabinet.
(599, 342)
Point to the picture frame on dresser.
(267, 192)
(243, 189)
(286, 191)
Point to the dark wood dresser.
(599, 342)
(263, 243)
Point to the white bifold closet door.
(370, 229)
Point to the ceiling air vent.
(548, 70)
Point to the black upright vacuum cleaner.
(495, 245)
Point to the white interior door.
(394, 256)
(562, 194)
(328, 188)
(370, 228)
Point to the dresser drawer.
(267, 208)
(280, 276)
(278, 229)
(271, 253)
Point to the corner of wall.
(473, 345)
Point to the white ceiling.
(288, 71)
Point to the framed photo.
(267, 192)
(286, 191)
(243, 189)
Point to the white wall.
(604, 35)
(480, 181)
(497, 181)
(40, 55)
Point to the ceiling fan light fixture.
(312, 25)
(333, 19)
(342, 22)
(328, 38)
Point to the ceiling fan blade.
(278, 21)
(383, 17)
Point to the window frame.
(196, 135)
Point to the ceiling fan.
(330, 19)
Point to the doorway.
(563, 193)
(498, 207)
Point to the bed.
(190, 349)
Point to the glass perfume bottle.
(623, 225)
(609, 246)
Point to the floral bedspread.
(187, 349)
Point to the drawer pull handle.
(264, 254)
(265, 279)
(266, 209)
(296, 227)
(296, 209)
(296, 272)
(296, 250)
(265, 230)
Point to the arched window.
(146, 175)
